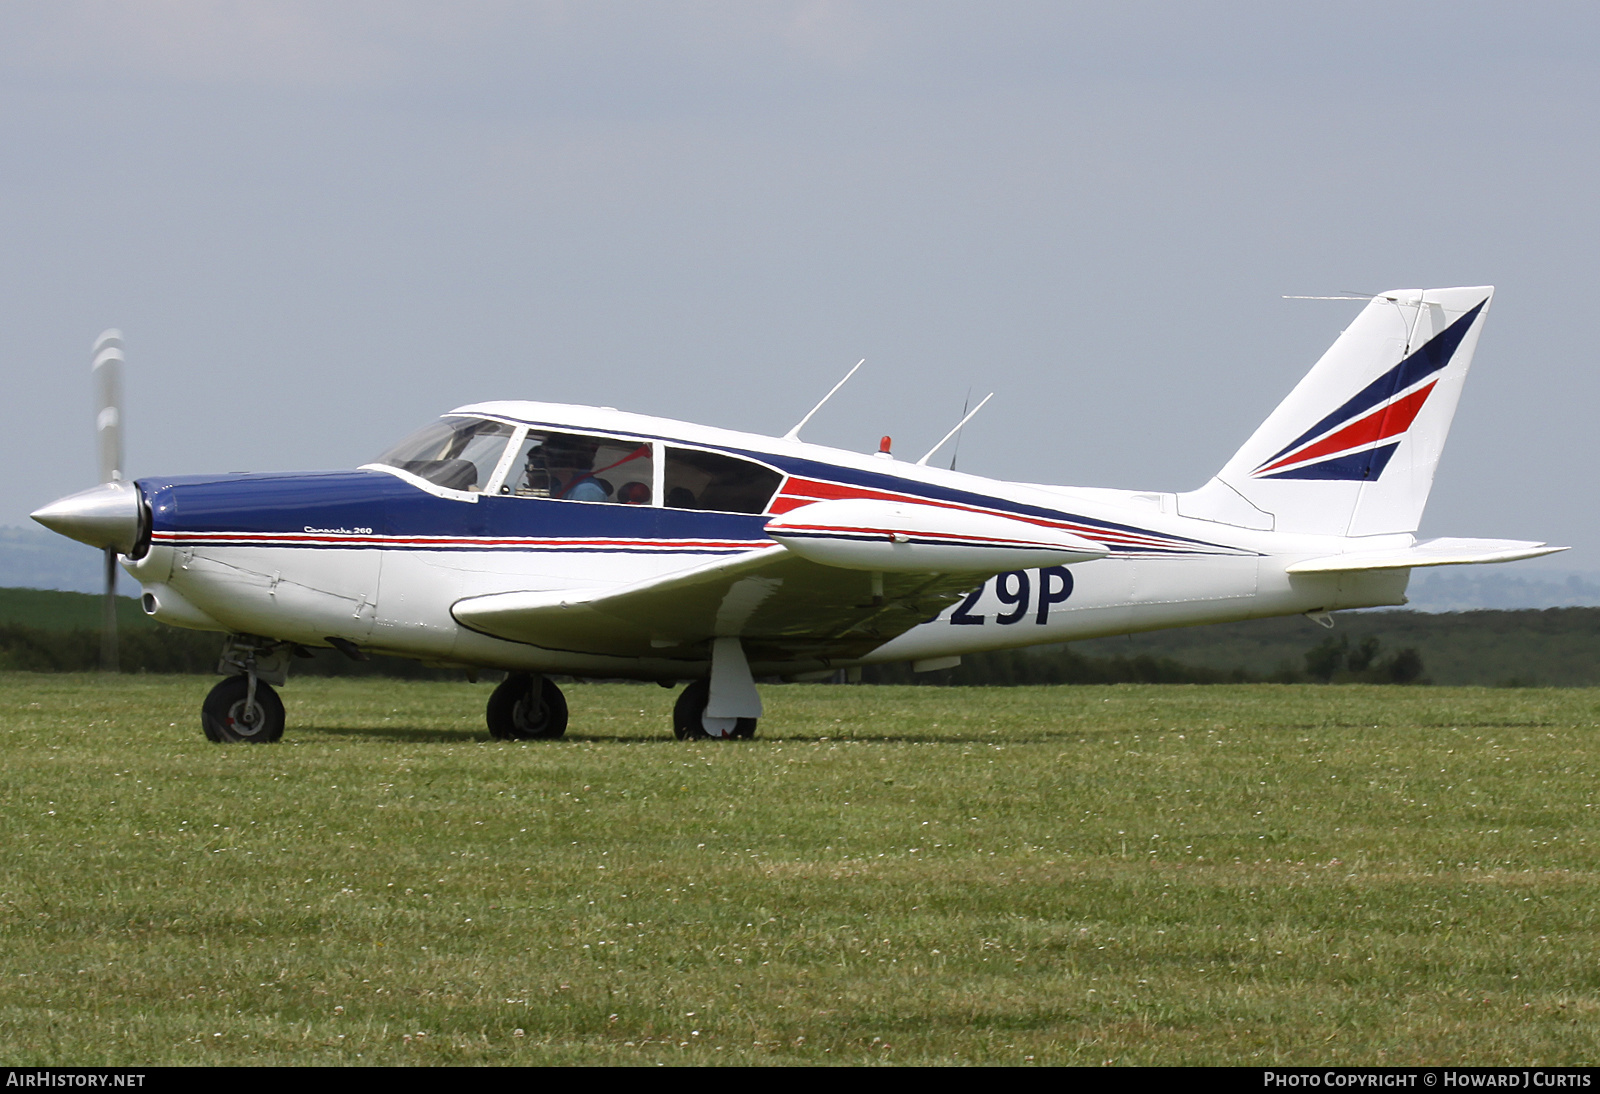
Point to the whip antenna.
(923, 462)
(794, 434)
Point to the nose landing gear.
(242, 708)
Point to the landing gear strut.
(726, 704)
(691, 722)
(525, 708)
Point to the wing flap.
(1430, 552)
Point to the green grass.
(1249, 874)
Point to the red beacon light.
(883, 452)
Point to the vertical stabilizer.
(1353, 449)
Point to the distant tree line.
(159, 648)
(1337, 661)
(1328, 662)
(1013, 668)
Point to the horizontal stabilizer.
(1430, 552)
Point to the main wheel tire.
(222, 715)
(690, 723)
(516, 713)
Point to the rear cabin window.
(455, 453)
(710, 480)
(576, 467)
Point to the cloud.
(831, 31)
(277, 43)
(376, 44)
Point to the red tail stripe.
(1380, 425)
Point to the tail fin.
(1352, 450)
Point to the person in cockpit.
(568, 464)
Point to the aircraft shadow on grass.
(418, 735)
(408, 734)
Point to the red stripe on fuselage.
(269, 539)
(798, 492)
(887, 533)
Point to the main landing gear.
(726, 705)
(526, 707)
(691, 722)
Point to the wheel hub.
(531, 714)
(246, 719)
(718, 727)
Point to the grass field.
(1128, 874)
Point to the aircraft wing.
(784, 606)
(1430, 552)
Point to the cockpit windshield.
(455, 453)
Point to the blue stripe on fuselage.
(389, 506)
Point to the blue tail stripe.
(1432, 357)
(1358, 466)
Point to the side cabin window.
(455, 453)
(710, 480)
(576, 467)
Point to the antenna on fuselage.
(966, 405)
(923, 462)
(794, 434)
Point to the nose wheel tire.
(690, 721)
(522, 710)
(229, 714)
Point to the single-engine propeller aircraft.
(544, 539)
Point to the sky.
(321, 224)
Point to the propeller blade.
(107, 373)
(108, 617)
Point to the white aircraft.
(545, 539)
